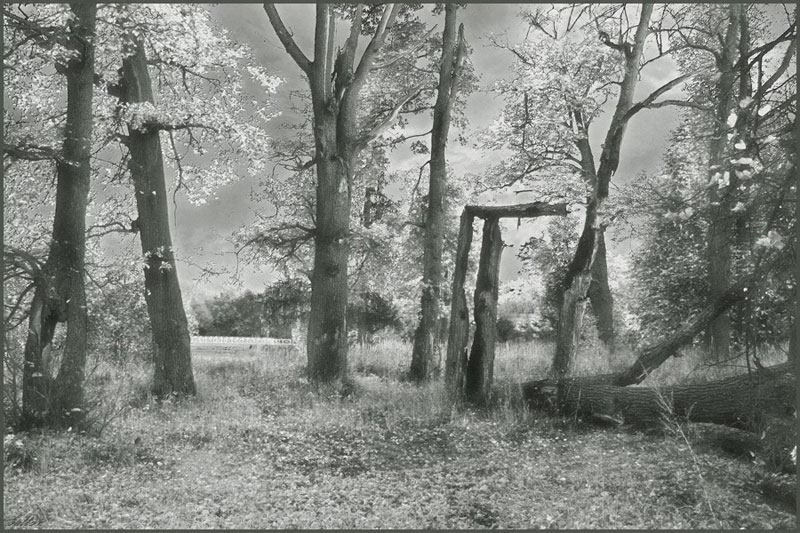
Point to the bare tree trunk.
(335, 85)
(654, 354)
(740, 401)
(426, 352)
(579, 274)
(458, 335)
(600, 295)
(327, 324)
(480, 367)
(61, 402)
(173, 363)
(720, 230)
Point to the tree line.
(132, 93)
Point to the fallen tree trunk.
(653, 355)
(739, 401)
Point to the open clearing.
(258, 448)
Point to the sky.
(201, 233)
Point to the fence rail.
(250, 341)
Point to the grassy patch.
(260, 448)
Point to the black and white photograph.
(400, 266)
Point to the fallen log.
(740, 401)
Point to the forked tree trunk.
(480, 367)
(171, 342)
(335, 80)
(458, 334)
(579, 274)
(60, 402)
(425, 356)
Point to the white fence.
(250, 341)
(240, 345)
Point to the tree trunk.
(335, 86)
(654, 354)
(327, 322)
(600, 295)
(579, 274)
(480, 367)
(425, 356)
(740, 401)
(171, 342)
(720, 229)
(60, 402)
(458, 335)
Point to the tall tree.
(720, 229)
(426, 352)
(63, 297)
(336, 85)
(578, 277)
(172, 349)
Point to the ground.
(258, 448)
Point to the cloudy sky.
(201, 232)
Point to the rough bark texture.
(579, 274)
(600, 295)
(426, 355)
(458, 335)
(60, 401)
(721, 228)
(481, 358)
(171, 342)
(335, 85)
(741, 401)
(654, 354)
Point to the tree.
(62, 298)
(336, 86)
(727, 175)
(172, 348)
(424, 360)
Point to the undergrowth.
(260, 447)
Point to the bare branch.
(286, 39)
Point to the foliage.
(370, 313)
(230, 315)
(752, 190)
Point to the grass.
(259, 447)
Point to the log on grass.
(739, 401)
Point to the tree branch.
(286, 39)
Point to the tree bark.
(480, 367)
(458, 334)
(335, 92)
(60, 401)
(579, 274)
(171, 342)
(425, 356)
(720, 229)
(654, 354)
(600, 295)
(740, 401)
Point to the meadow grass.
(261, 447)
